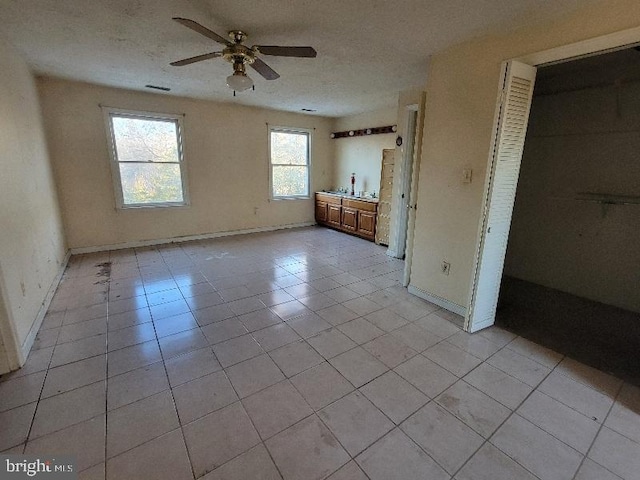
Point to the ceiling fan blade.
(199, 58)
(265, 70)
(287, 51)
(196, 27)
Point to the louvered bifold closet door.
(512, 128)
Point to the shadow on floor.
(599, 335)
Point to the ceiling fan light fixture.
(239, 81)
(238, 54)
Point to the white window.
(146, 158)
(289, 160)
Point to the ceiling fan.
(240, 55)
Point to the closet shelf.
(608, 199)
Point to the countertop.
(350, 197)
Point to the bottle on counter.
(353, 184)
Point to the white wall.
(227, 164)
(362, 155)
(460, 105)
(32, 246)
(580, 142)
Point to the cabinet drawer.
(330, 199)
(359, 205)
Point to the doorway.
(502, 176)
(570, 273)
(403, 189)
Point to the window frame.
(297, 130)
(109, 113)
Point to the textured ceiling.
(368, 50)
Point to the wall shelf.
(364, 131)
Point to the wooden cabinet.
(358, 217)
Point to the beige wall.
(227, 165)
(461, 101)
(580, 142)
(362, 155)
(31, 238)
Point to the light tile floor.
(297, 355)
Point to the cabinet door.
(334, 215)
(350, 219)
(321, 212)
(367, 224)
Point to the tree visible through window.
(289, 158)
(147, 157)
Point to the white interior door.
(513, 117)
(402, 185)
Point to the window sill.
(152, 206)
(307, 197)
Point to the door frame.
(9, 347)
(402, 184)
(594, 46)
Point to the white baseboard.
(31, 337)
(186, 238)
(441, 302)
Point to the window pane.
(289, 181)
(289, 148)
(150, 183)
(145, 140)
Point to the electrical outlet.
(467, 173)
(445, 268)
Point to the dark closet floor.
(602, 336)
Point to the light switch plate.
(467, 173)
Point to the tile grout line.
(586, 455)
(106, 380)
(35, 410)
(173, 400)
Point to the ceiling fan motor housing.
(239, 53)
